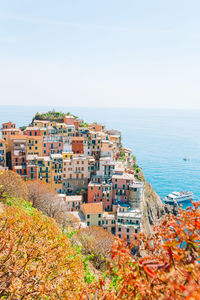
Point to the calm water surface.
(160, 139)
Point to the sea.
(159, 138)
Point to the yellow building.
(64, 129)
(68, 155)
(34, 145)
(93, 213)
(57, 172)
(41, 123)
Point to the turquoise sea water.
(160, 139)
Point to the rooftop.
(92, 208)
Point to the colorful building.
(18, 150)
(93, 213)
(75, 173)
(121, 185)
(44, 169)
(31, 167)
(52, 145)
(100, 192)
(32, 131)
(2, 153)
(69, 120)
(8, 131)
(34, 145)
(78, 145)
(41, 123)
(128, 223)
(71, 203)
(57, 172)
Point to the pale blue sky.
(143, 53)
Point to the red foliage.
(166, 265)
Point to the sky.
(116, 53)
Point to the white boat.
(178, 197)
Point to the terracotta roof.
(92, 208)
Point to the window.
(45, 145)
(99, 223)
(88, 223)
(35, 148)
(88, 216)
(127, 237)
(136, 230)
(115, 186)
(91, 187)
(127, 230)
(120, 236)
(99, 215)
(119, 229)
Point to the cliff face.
(152, 207)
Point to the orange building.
(9, 130)
(77, 145)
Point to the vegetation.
(122, 155)
(12, 185)
(134, 158)
(52, 116)
(38, 261)
(95, 242)
(22, 128)
(42, 197)
(83, 124)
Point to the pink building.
(128, 224)
(52, 147)
(120, 185)
(100, 192)
(69, 120)
(32, 131)
(8, 125)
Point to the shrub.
(96, 242)
(12, 185)
(36, 259)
